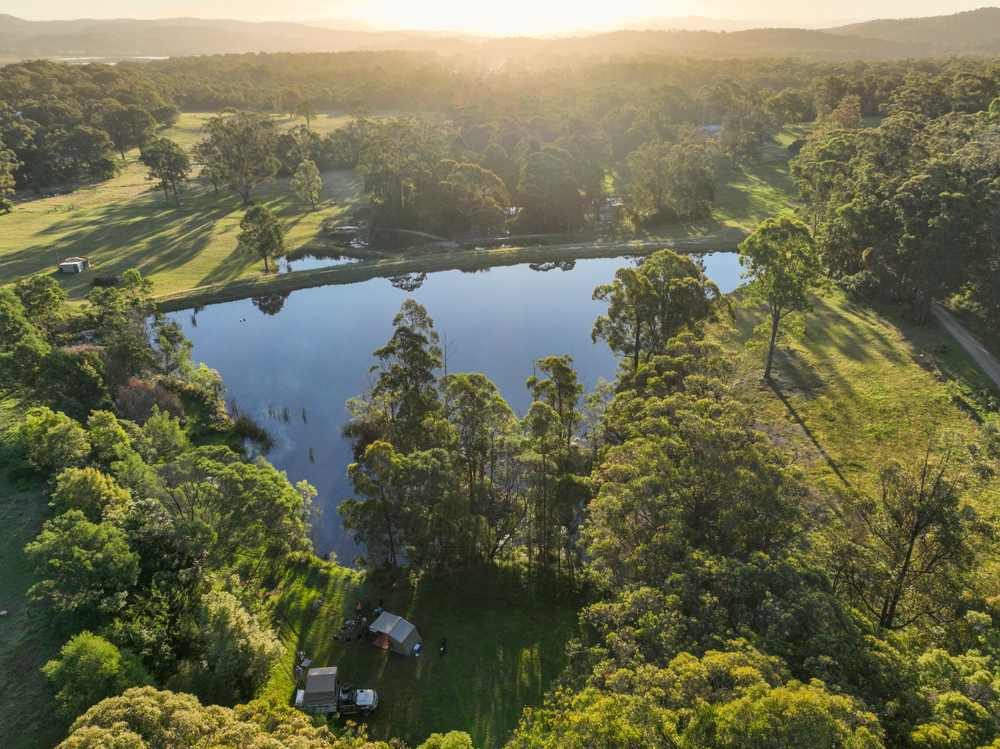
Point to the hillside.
(188, 36)
(974, 31)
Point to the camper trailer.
(322, 695)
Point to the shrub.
(137, 398)
(90, 669)
(53, 441)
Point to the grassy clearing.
(856, 387)
(188, 129)
(506, 644)
(28, 718)
(125, 223)
(752, 190)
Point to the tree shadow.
(142, 233)
(506, 645)
(808, 432)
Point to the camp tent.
(393, 632)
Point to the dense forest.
(481, 149)
(729, 601)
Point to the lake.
(292, 363)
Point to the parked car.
(354, 701)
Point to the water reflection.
(408, 281)
(270, 304)
(554, 265)
(312, 260)
(315, 353)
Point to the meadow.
(126, 223)
(856, 387)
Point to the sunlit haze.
(508, 18)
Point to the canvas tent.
(393, 632)
(320, 693)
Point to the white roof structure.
(320, 693)
(398, 634)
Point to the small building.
(74, 265)
(320, 692)
(393, 632)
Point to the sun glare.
(513, 17)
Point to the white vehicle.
(352, 701)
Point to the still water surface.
(293, 370)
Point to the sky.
(503, 18)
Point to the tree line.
(906, 211)
(148, 530)
(62, 125)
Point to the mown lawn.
(749, 191)
(856, 387)
(506, 644)
(28, 718)
(125, 223)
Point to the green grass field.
(125, 223)
(506, 644)
(752, 190)
(856, 387)
(28, 718)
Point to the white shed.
(74, 265)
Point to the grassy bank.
(857, 386)
(126, 223)
(468, 260)
(28, 718)
(506, 644)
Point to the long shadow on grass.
(138, 234)
(506, 644)
(808, 432)
(848, 339)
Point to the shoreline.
(467, 260)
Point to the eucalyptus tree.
(239, 151)
(128, 126)
(782, 264)
(904, 552)
(649, 305)
(167, 163)
(307, 183)
(261, 234)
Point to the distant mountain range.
(973, 32)
(187, 36)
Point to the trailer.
(322, 695)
